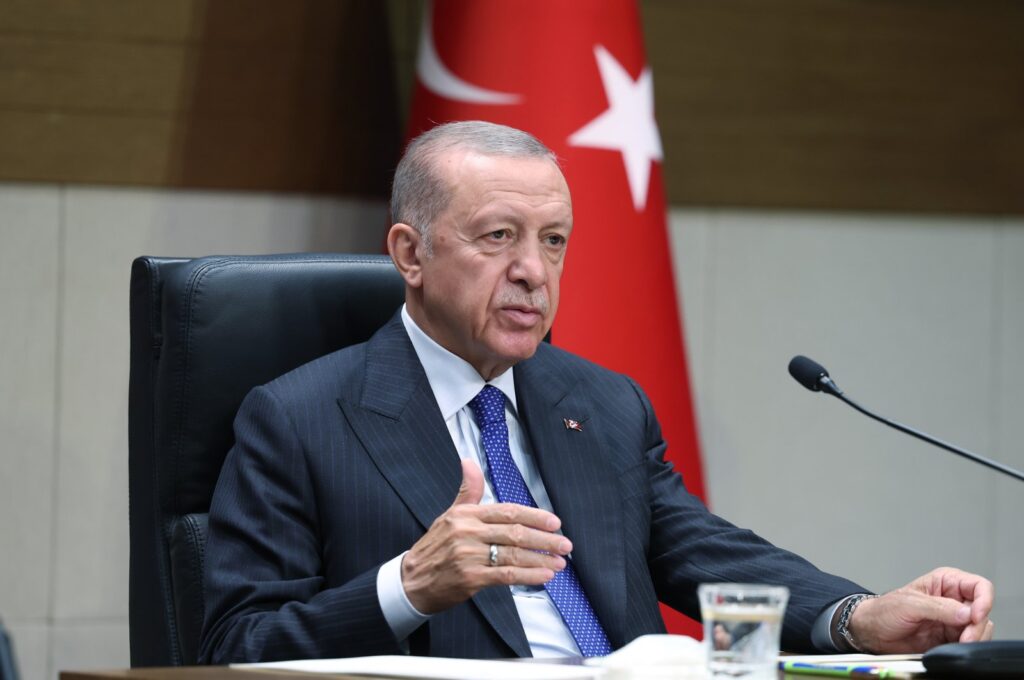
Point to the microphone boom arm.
(1005, 469)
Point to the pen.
(838, 671)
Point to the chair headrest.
(227, 324)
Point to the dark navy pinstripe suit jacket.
(343, 463)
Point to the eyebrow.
(490, 216)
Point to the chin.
(519, 349)
(527, 351)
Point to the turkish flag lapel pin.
(571, 424)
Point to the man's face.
(489, 292)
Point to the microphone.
(814, 377)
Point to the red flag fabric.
(575, 75)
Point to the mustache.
(515, 297)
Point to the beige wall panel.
(106, 229)
(1008, 616)
(902, 312)
(690, 238)
(31, 648)
(29, 282)
(89, 645)
(1008, 383)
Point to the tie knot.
(488, 406)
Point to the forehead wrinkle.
(498, 211)
(477, 192)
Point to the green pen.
(838, 671)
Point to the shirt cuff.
(402, 617)
(821, 631)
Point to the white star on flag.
(627, 126)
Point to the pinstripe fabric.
(345, 462)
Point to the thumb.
(472, 488)
(945, 610)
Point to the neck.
(488, 370)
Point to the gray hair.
(419, 194)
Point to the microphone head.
(807, 372)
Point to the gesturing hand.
(944, 605)
(451, 562)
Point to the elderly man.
(339, 526)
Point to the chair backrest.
(203, 333)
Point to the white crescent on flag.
(436, 77)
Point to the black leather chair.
(203, 333)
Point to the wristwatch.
(846, 613)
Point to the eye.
(498, 235)
(555, 240)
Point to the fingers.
(977, 632)
(512, 556)
(944, 610)
(518, 536)
(944, 605)
(982, 592)
(471, 492)
(974, 591)
(956, 616)
(517, 576)
(504, 523)
(451, 561)
(960, 585)
(511, 513)
(472, 487)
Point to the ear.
(403, 246)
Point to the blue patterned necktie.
(565, 588)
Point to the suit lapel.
(398, 421)
(399, 424)
(584, 490)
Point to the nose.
(528, 267)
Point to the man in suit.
(457, 487)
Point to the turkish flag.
(575, 75)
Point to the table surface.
(221, 673)
(190, 673)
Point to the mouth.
(523, 316)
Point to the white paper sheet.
(434, 668)
(655, 657)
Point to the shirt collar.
(452, 379)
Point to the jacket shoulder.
(338, 372)
(572, 366)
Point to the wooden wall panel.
(285, 95)
(832, 104)
(841, 104)
(141, 20)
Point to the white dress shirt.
(454, 384)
